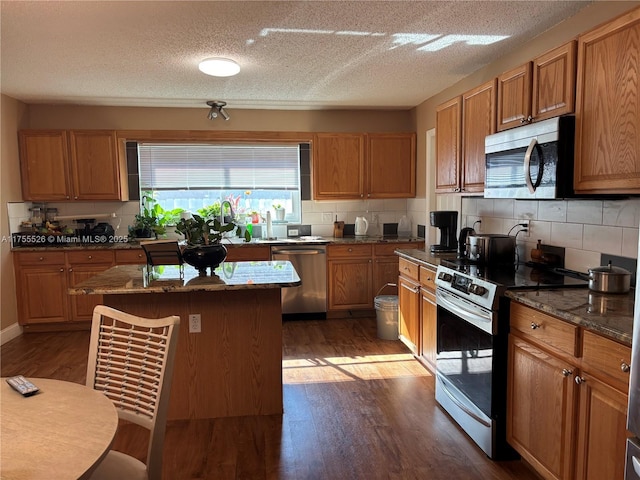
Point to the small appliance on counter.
(447, 222)
(362, 225)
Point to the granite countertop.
(234, 242)
(426, 257)
(608, 314)
(130, 279)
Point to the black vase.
(204, 256)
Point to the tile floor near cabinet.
(356, 407)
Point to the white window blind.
(208, 166)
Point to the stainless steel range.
(472, 330)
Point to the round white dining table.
(62, 432)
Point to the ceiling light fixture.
(217, 108)
(219, 67)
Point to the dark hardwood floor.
(355, 408)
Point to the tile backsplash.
(585, 228)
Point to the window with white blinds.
(218, 167)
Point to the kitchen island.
(233, 365)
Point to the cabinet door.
(540, 404)
(478, 121)
(44, 165)
(607, 139)
(391, 165)
(338, 166)
(602, 432)
(428, 328)
(448, 145)
(95, 168)
(554, 83)
(82, 305)
(385, 270)
(514, 97)
(409, 313)
(42, 294)
(350, 284)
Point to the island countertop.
(133, 279)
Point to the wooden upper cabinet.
(607, 108)
(514, 97)
(71, 165)
(95, 167)
(391, 165)
(44, 165)
(338, 166)
(478, 121)
(554, 83)
(359, 165)
(448, 145)
(538, 90)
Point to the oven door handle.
(461, 406)
(455, 305)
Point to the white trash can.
(387, 315)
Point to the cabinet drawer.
(409, 269)
(605, 355)
(133, 256)
(544, 329)
(349, 251)
(384, 249)
(428, 278)
(40, 258)
(90, 256)
(244, 254)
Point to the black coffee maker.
(447, 222)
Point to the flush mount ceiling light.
(217, 108)
(219, 67)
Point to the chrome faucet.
(231, 213)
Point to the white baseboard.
(12, 331)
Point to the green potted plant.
(149, 222)
(203, 236)
(279, 211)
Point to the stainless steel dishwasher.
(309, 300)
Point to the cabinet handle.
(75, 198)
(534, 325)
(90, 257)
(62, 269)
(566, 372)
(350, 250)
(625, 367)
(67, 197)
(40, 259)
(580, 380)
(71, 269)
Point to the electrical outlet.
(194, 323)
(327, 217)
(525, 223)
(374, 218)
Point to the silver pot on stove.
(491, 248)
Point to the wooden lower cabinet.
(356, 273)
(42, 294)
(602, 430)
(540, 403)
(566, 401)
(409, 305)
(428, 318)
(42, 279)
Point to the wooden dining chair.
(131, 362)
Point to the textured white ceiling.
(293, 54)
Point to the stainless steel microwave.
(534, 161)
